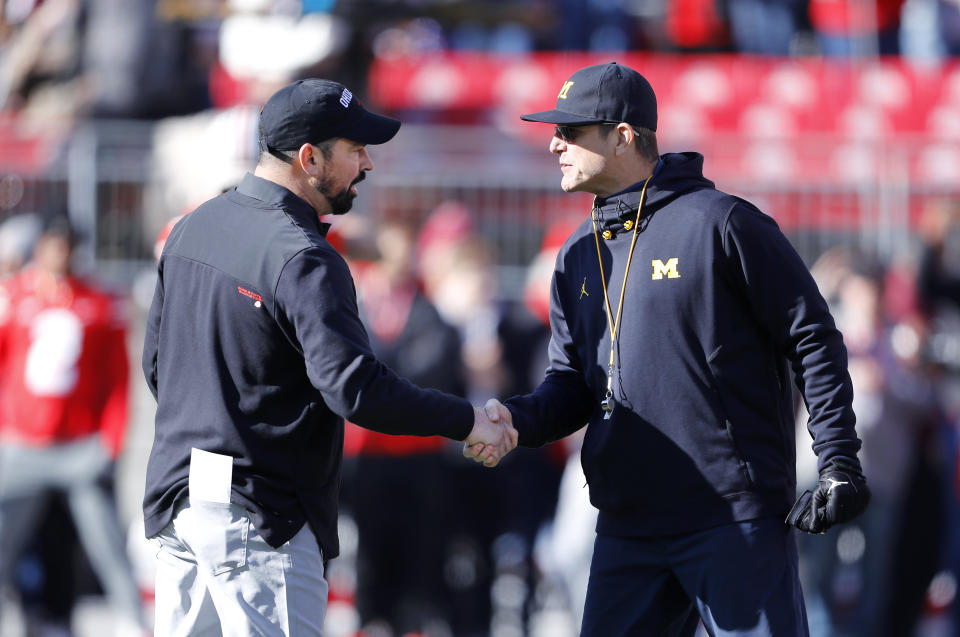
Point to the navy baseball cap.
(311, 111)
(603, 93)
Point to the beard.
(340, 200)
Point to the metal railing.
(510, 187)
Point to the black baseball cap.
(603, 93)
(313, 110)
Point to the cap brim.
(371, 128)
(560, 117)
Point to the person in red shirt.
(856, 29)
(400, 567)
(63, 412)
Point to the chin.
(341, 206)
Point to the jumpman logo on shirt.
(583, 289)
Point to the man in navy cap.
(256, 354)
(677, 312)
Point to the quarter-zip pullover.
(254, 349)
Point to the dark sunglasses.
(569, 133)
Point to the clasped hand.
(841, 495)
(492, 436)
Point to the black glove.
(840, 496)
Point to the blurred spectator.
(45, 574)
(63, 378)
(567, 549)
(67, 59)
(423, 36)
(872, 576)
(41, 59)
(490, 563)
(765, 27)
(18, 233)
(255, 41)
(698, 25)
(400, 578)
(454, 268)
(865, 28)
(593, 25)
(948, 25)
(938, 278)
(939, 288)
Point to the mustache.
(359, 178)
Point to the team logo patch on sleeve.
(257, 299)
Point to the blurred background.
(839, 118)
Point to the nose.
(366, 163)
(557, 145)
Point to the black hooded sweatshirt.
(717, 304)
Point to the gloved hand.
(840, 496)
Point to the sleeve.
(316, 297)
(562, 403)
(115, 413)
(785, 300)
(152, 335)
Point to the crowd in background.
(508, 556)
(159, 58)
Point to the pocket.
(217, 535)
(744, 466)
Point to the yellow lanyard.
(614, 324)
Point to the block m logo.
(669, 268)
(565, 90)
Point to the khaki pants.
(217, 576)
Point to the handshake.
(492, 436)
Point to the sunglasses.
(569, 133)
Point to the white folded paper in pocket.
(210, 476)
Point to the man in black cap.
(255, 354)
(676, 310)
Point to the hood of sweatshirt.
(677, 173)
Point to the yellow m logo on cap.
(670, 269)
(564, 90)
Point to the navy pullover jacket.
(254, 349)
(717, 304)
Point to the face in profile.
(52, 254)
(344, 168)
(583, 158)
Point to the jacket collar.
(618, 212)
(276, 195)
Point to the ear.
(624, 138)
(310, 160)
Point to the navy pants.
(740, 579)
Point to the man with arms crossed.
(675, 312)
(256, 354)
